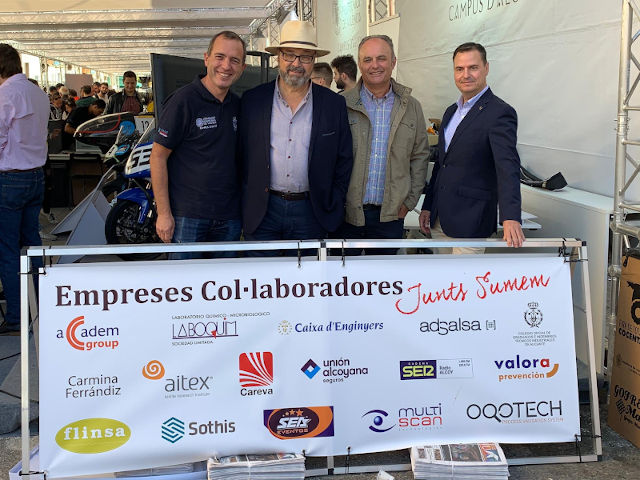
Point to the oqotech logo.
(89, 338)
(93, 435)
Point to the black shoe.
(10, 330)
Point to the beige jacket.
(407, 153)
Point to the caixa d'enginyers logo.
(92, 337)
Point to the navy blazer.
(480, 170)
(330, 155)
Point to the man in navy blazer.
(478, 167)
(296, 147)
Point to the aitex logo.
(93, 435)
(172, 430)
(523, 368)
(154, 370)
(299, 422)
(90, 338)
(256, 369)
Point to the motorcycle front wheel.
(122, 228)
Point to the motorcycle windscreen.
(103, 130)
(138, 163)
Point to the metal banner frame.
(574, 251)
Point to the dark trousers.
(373, 229)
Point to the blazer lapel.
(445, 121)
(315, 122)
(470, 117)
(267, 108)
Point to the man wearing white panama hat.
(297, 150)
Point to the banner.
(158, 363)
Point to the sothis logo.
(310, 369)
(378, 421)
(544, 411)
(82, 338)
(432, 369)
(635, 301)
(205, 330)
(256, 373)
(299, 422)
(93, 435)
(172, 430)
(525, 368)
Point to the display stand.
(574, 251)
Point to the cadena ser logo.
(85, 338)
(256, 373)
(93, 435)
(523, 368)
(299, 422)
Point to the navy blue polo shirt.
(203, 172)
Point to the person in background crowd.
(69, 106)
(58, 85)
(104, 92)
(345, 72)
(55, 112)
(95, 89)
(296, 144)
(24, 113)
(53, 89)
(73, 94)
(322, 74)
(64, 92)
(128, 100)
(478, 166)
(86, 97)
(390, 148)
(194, 168)
(81, 114)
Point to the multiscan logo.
(299, 422)
(525, 368)
(378, 421)
(172, 430)
(310, 369)
(90, 338)
(256, 373)
(427, 417)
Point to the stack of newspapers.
(272, 466)
(460, 461)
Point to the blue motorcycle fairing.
(138, 196)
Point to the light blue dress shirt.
(458, 116)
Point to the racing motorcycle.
(132, 218)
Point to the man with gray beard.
(296, 148)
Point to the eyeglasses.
(291, 57)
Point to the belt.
(21, 171)
(371, 206)
(290, 195)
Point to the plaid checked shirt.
(379, 111)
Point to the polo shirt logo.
(235, 124)
(206, 122)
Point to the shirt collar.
(371, 96)
(14, 78)
(472, 101)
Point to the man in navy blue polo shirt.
(193, 160)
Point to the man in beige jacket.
(390, 148)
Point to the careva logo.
(90, 338)
(299, 422)
(256, 369)
(93, 435)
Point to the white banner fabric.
(159, 363)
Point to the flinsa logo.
(525, 368)
(93, 435)
(378, 421)
(87, 339)
(210, 329)
(299, 422)
(256, 373)
(518, 412)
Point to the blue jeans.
(373, 229)
(21, 195)
(192, 230)
(286, 220)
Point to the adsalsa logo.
(93, 435)
(83, 338)
(256, 373)
(299, 422)
(525, 368)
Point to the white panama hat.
(297, 34)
